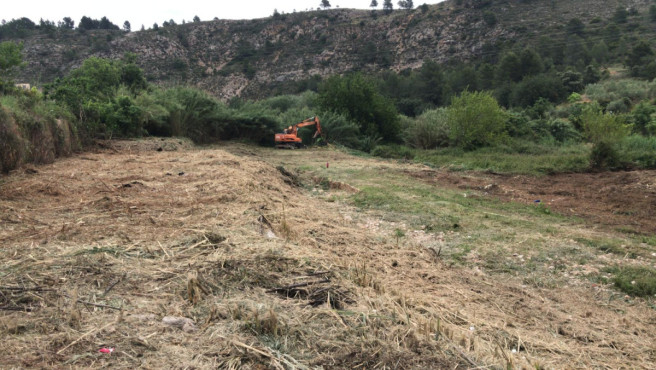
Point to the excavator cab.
(289, 139)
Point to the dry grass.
(100, 248)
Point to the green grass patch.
(636, 281)
(545, 160)
(606, 246)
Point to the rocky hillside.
(253, 57)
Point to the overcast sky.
(147, 12)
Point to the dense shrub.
(611, 90)
(604, 130)
(475, 120)
(533, 88)
(357, 98)
(563, 131)
(428, 131)
(393, 151)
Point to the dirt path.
(211, 258)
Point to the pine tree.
(406, 4)
(388, 6)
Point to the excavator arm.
(289, 137)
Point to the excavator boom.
(289, 137)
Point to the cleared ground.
(206, 257)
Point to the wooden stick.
(112, 286)
(23, 289)
(99, 305)
(299, 285)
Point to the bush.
(604, 130)
(533, 88)
(638, 150)
(357, 98)
(428, 131)
(563, 131)
(604, 156)
(610, 90)
(643, 115)
(603, 127)
(338, 129)
(475, 119)
(393, 151)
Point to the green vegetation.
(527, 106)
(475, 120)
(637, 281)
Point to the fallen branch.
(99, 305)
(295, 286)
(112, 286)
(24, 289)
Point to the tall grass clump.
(12, 144)
(33, 130)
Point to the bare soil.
(623, 200)
(205, 258)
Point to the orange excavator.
(289, 139)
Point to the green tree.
(196, 19)
(325, 4)
(643, 114)
(620, 15)
(388, 6)
(10, 56)
(604, 131)
(87, 23)
(575, 27)
(489, 18)
(430, 84)
(67, 23)
(374, 4)
(530, 62)
(475, 120)
(126, 26)
(652, 13)
(640, 59)
(406, 4)
(509, 68)
(532, 88)
(599, 52)
(356, 97)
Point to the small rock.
(182, 323)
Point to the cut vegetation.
(214, 257)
